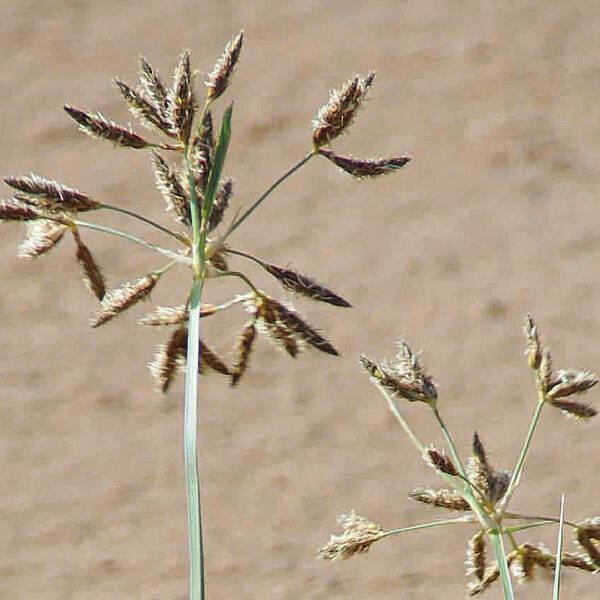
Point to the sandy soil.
(496, 216)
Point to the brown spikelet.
(577, 410)
(203, 152)
(153, 86)
(297, 326)
(499, 485)
(406, 378)
(170, 187)
(181, 104)
(358, 535)
(337, 115)
(441, 498)
(243, 349)
(42, 235)
(523, 567)
(220, 77)
(221, 203)
(166, 315)
(476, 561)
(148, 113)
(440, 461)
(118, 300)
(206, 137)
(365, 167)
(533, 351)
(277, 332)
(168, 357)
(305, 286)
(570, 382)
(492, 574)
(479, 471)
(49, 194)
(588, 538)
(14, 209)
(92, 274)
(218, 260)
(545, 371)
(210, 359)
(97, 126)
(578, 561)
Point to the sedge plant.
(197, 195)
(480, 493)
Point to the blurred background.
(496, 215)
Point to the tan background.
(497, 215)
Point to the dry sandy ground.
(496, 216)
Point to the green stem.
(240, 276)
(466, 519)
(517, 528)
(559, 549)
(190, 435)
(130, 213)
(537, 518)
(245, 255)
(403, 422)
(190, 430)
(498, 546)
(190, 416)
(450, 443)
(176, 256)
(261, 199)
(518, 471)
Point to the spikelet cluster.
(404, 378)
(358, 535)
(482, 492)
(183, 142)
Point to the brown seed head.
(118, 300)
(48, 194)
(476, 561)
(570, 382)
(359, 534)
(148, 113)
(337, 115)
(166, 315)
(267, 321)
(545, 370)
(14, 209)
(243, 349)
(479, 471)
(181, 104)
(365, 168)
(173, 192)
(209, 359)
(492, 574)
(577, 410)
(274, 313)
(92, 274)
(168, 357)
(406, 378)
(578, 561)
(588, 538)
(441, 498)
(220, 77)
(42, 235)
(533, 351)
(153, 86)
(305, 286)
(440, 461)
(499, 485)
(221, 203)
(97, 126)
